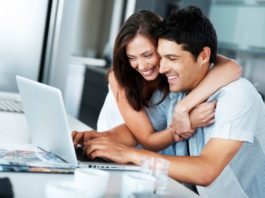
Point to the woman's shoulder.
(113, 83)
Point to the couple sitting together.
(169, 91)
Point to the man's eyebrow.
(171, 55)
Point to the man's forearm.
(194, 170)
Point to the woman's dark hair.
(144, 23)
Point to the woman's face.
(143, 57)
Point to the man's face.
(182, 71)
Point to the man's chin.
(174, 88)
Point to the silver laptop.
(48, 124)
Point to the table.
(14, 132)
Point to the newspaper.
(31, 158)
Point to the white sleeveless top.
(109, 116)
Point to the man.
(227, 158)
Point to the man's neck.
(203, 74)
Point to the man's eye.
(172, 58)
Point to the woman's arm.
(224, 72)
(138, 122)
(139, 125)
(119, 134)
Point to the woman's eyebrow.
(148, 51)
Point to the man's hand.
(108, 149)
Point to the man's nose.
(163, 68)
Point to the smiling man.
(220, 154)
(227, 158)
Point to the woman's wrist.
(187, 104)
(171, 131)
(182, 108)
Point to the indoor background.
(68, 44)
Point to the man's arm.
(204, 169)
(199, 170)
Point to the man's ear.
(204, 56)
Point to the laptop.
(48, 124)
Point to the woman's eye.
(148, 55)
(131, 58)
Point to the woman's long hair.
(144, 23)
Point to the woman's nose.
(141, 64)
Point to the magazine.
(31, 158)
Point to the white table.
(13, 131)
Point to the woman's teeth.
(147, 73)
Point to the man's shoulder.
(241, 83)
(240, 88)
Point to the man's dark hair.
(189, 27)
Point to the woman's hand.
(108, 149)
(79, 138)
(181, 123)
(185, 123)
(203, 114)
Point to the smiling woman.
(142, 56)
(135, 53)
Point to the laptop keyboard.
(9, 105)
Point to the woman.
(139, 89)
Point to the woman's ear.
(204, 56)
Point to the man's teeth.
(171, 77)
